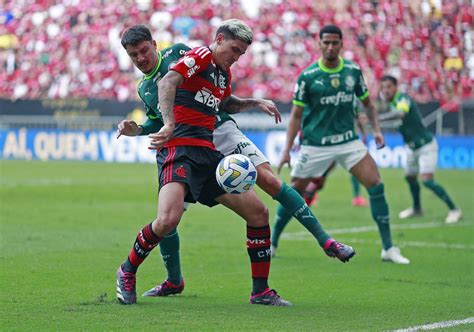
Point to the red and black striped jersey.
(198, 98)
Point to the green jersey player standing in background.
(421, 148)
(323, 107)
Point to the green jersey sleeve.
(361, 90)
(151, 126)
(300, 93)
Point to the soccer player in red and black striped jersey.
(189, 96)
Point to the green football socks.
(355, 186)
(440, 192)
(292, 204)
(379, 209)
(281, 220)
(169, 248)
(415, 192)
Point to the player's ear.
(220, 38)
(154, 43)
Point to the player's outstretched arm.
(166, 96)
(234, 104)
(372, 114)
(293, 127)
(392, 115)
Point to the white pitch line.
(439, 325)
(365, 229)
(302, 236)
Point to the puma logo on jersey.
(253, 154)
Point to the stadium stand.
(71, 48)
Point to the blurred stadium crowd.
(71, 48)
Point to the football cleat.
(359, 201)
(269, 297)
(166, 288)
(453, 216)
(410, 213)
(343, 252)
(393, 255)
(126, 282)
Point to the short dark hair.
(330, 29)
(389, 78)
(135, 35)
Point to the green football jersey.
(148, 86)
(414, 133)
(328, 98)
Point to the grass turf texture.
(65, 227)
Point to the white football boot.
(410, 213)
(453, 216)
(393, 255)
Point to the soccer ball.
(236, 174)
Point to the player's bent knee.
(371, 183)
(165, 223)
(259, 216)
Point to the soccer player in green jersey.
(323, 107)
(421, 148)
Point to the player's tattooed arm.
(234, 104)
(167, 93)
(166, 96)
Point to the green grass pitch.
(66, 226)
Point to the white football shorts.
(228, 139)
(422, 160)
(313, 161)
